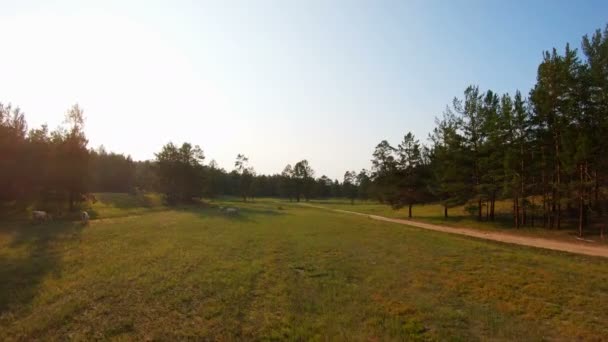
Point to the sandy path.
(578, 248)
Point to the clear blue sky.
(278, 81)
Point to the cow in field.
(40, 216)
(231, 211)
(84, 217)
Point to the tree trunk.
(516, 211)
(445, 211)
(487, 211)
(71, 200)
(480, 210)
(544, 186)
(532, 213)
(558, 175)
(558, 224)
(544, 211)
(553, 206)
(581, 202)
(522, 184)
(552, 214)
(585, 213)
(596, 194)
(524, 217)
(586, 200)
(493, 205)
(409, 214)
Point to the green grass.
(293, 274)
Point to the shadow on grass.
(114, 205)
(95, 214)
(245, 214)
(500, 222)
(337, 202)
(128, 201)
(30, 258)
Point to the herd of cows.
(40, 216)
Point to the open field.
(149, 272)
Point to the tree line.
(183, 176)
(49, 168)
(40, 164)
(545, 152)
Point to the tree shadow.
(114, 205)
(29, 257)
(333, 201)
(501, 221)
(245, 214)
(128, 201)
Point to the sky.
(279, 81)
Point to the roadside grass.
(298, 273)
(459, 217)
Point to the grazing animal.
(84, 216)
(232, 211)
(40, 216)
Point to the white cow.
(40, 216)
(84, 216)
(231, 211)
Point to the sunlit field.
(283, 271)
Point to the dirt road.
(586, 248)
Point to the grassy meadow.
(281, 271)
